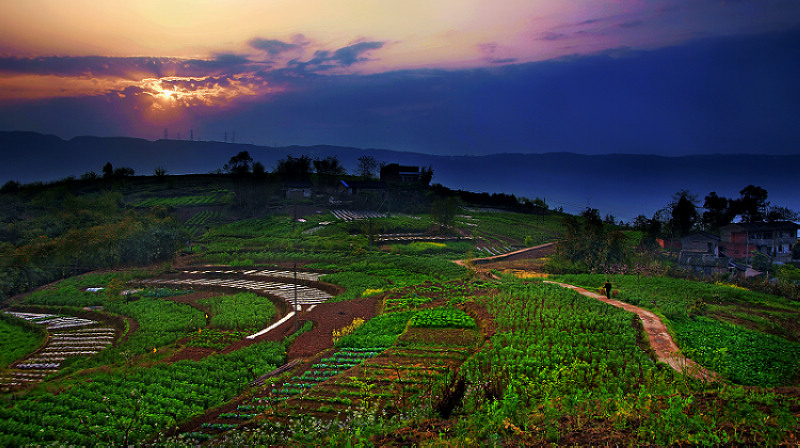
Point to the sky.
(445, 77)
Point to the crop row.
(243, 311)
(53, 322)
(280, 273)
(305, 295)
(189, 201)
(442, 318)
(132, 404)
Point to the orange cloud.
(176, 91)
(34, 87)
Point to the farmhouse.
(772, 239)
(700, 252)
(397, 173)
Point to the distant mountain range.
(620, 184)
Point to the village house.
(700, 252)
(772, 239)
(397, 173)
(298, 190)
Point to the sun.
(167, 94)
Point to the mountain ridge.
(624, 185)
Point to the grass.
(18, 338)
(243, 311)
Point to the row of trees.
(299, 167)
(684, 214)
(587, 245)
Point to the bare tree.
(366, 166)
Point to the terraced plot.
(420, 370)
(306, 296)
(350, 215)
(66, 340)
(301, 275)
(416, 237)
(494, 250)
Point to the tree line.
(684, 213)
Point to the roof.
(701, 236)
(760, 226)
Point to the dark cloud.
(86, 65)
(227, 60)
(350, 55)
(272, 46)
(552, 36)
(128, 68)
(631, 24)
(493, 53)
(323, 60)
(723, 95)
(502, 60)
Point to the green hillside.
(158, 294)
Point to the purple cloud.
(351, 54)
(272, 46)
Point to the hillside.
(211, 308)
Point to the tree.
(328, 169)
(329, 166)
(124, 171)
(761, 262)
(779, 213)
(753, 204)
(640, 222)
(11, 186)
(443, 210)
(594, 237)
(160, 171)
(295, 168)
(426, 175)
(684, 212)
(239, 164)
(108, 170)
(366, 166)
(719, 211)
(258, 169)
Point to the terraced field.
(307, 296)
(68, 337)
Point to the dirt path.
(663, 345)
(528, 252)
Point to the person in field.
(607, 287)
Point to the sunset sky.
(433, 76)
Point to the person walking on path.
(607, 287)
